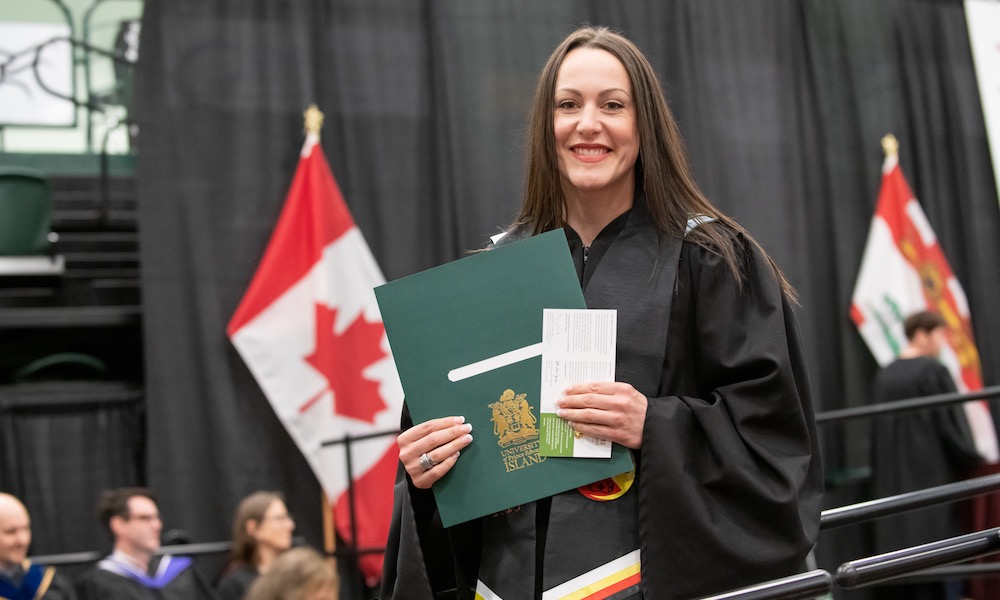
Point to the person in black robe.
(262, 530)
(168, 578)
(711, 396)
(133, 571)
(236, 581)
(20, 578)
(31, 581)
(915, 450)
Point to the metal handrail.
(882, 567)
(880, 507)
(74, 558)
(885, 408)
(192, 549)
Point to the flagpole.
(329, 538)
(312, 124)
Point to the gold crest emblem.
(513, 421)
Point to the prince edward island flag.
(903, 270)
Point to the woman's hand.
(441, 440)
(611, 410)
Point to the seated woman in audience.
(299, 574)
(262, 530)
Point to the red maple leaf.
(341, 359)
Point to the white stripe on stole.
(697, 220)
(626, 566)
(485, 593)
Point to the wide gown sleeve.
(730, 470)
(423, 560)
(953, 426)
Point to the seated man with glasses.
(134, 570)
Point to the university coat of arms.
(513, 421)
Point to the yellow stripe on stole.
(597, 579)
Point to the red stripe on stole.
(614, 587)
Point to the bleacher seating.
(93, 307)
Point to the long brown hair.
(662, 170)
(251, 508)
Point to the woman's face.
(275, 528)
(597, 142)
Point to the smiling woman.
(717, 415)
(597, 143)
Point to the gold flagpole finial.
(890, 146)
(313, 120)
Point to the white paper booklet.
(578, 346)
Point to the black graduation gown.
(60, 589)
(916, 450)
(99, 584)
(730, 478)
(234, 585)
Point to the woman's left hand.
(611, 410)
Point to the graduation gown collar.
(34, 583)
(636, 277)
(168, 568)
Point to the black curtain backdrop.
(783, 105)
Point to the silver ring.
(427, 463)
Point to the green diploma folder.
(466, 338)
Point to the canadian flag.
(310, 331)
(903, 271)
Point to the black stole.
(636, 277)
